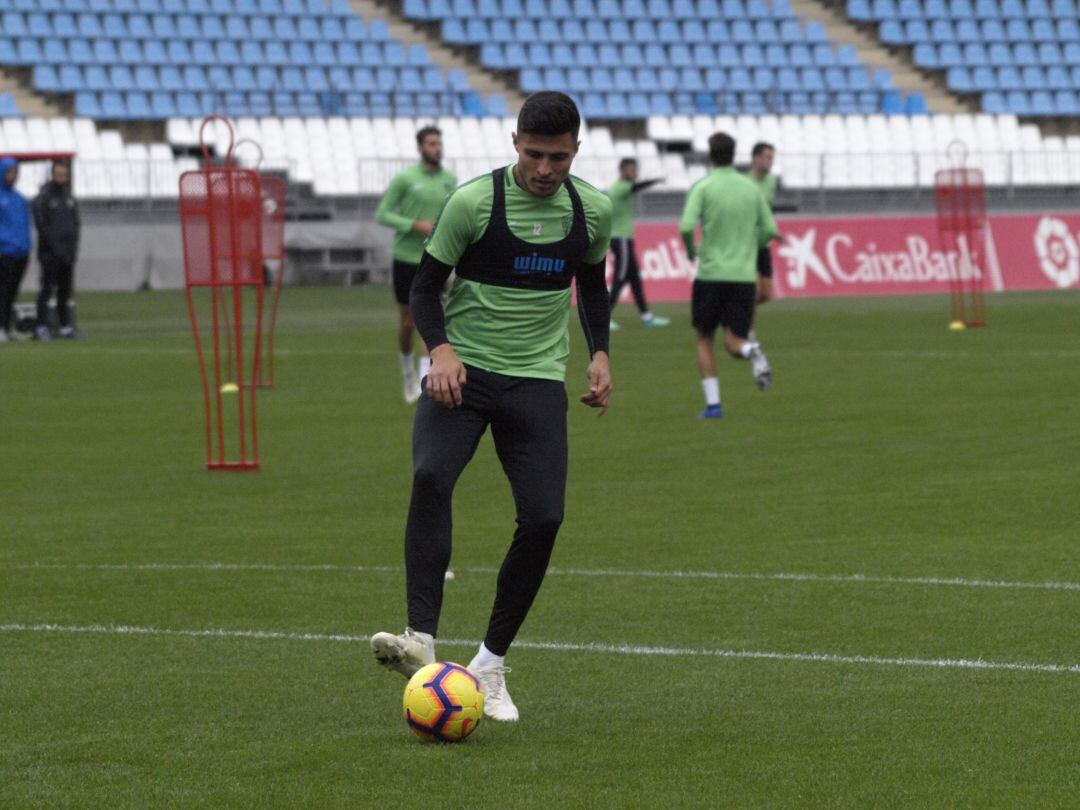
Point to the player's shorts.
(723, 303)
(764, 262)
(404, 273)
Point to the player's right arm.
(690, 216)
(454, 231)
(387, 212)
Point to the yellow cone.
(230, 388)
(956, 326)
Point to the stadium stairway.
(872, 52)
(27, 101)
(481, 80)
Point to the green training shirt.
(735, 223)
(622, 209)
(414, 194)
(517, 332)
(767, 185)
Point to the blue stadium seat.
(340, 79)
(601, 80)
(619, 32)
(975, 54)
(1057, 78)
(959, 80)
(824, 56)
(1066, 102)
(1000, 54)
(1068, 30)
(86, 105)
(858, 80)
(983, 79)
(1009, 78)
(348, 55)
(925, 55)
(916, 31)
(814, 32)
(1018, 102)
(753, 56)
(715, 79)
(776, 56)
(608, 56)
(892, 103)
(941, 31)
(836, 79)
(717, 31)
(1024, 54)
(1033, 78)
(892, 33)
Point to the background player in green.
(735, 223)
(761, 163)
(410, 206)
(622, 241)
(516, 238)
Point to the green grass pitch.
(888, 448)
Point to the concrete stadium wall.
(124, 257)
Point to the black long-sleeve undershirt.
(425, 303)
(594, 308)
(641, 185)
(427, 312)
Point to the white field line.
(942, 354)
(611, 649)
(857, 579)
(166, 350)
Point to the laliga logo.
(1059, 255)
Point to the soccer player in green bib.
(517, 238)
(735, 223)
(622, 241)
(410, 206)
(761, 163)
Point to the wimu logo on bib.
(537, 265)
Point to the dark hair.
(721, 149)
(760, 147)
(549, 113)
(627, 162)
(423, 133)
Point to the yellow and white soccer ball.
(443, 702)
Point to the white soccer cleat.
(759, 364)
(411, 389)
(405, 653)
(497, 702)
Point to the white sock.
(747, 348)
(425, 365)
(646, 317)
(751, 336)
(408, 366)
(484, 656)
(711, 387)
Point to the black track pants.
(56, 275)
(528, 424)
(626, 271)
(11, 274)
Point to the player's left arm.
(452, 234)
(688, 223)
(387, 212)
(644, 184)
(594, 309)
(767, 232)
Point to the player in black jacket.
(56, 215)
